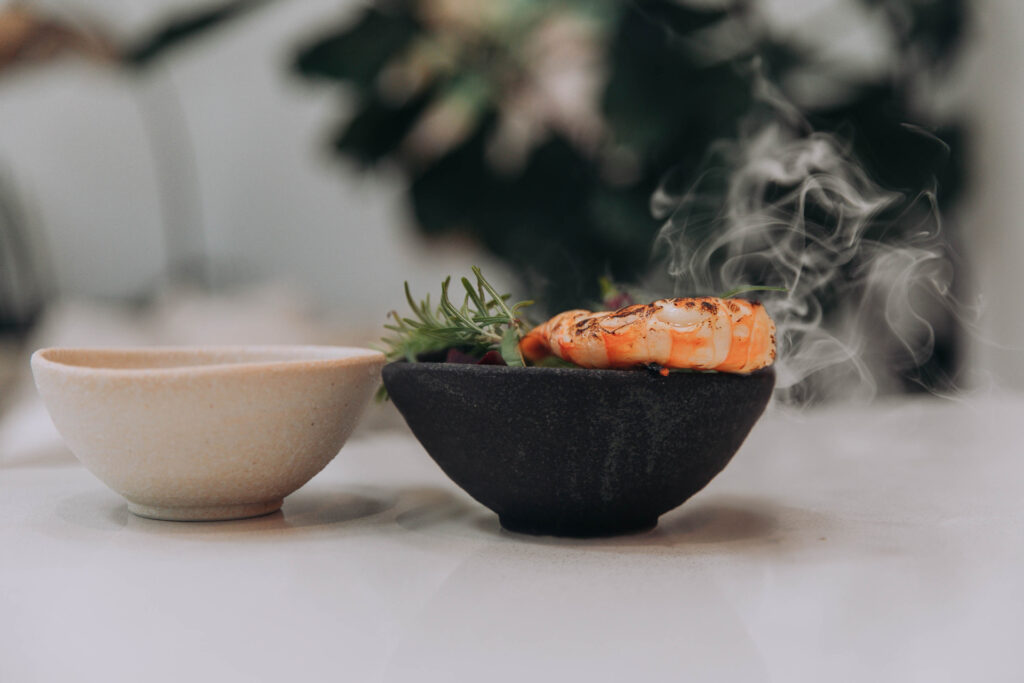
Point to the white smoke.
(784, 206)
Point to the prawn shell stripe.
(705, 333)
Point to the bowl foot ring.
(578, 530)
(205, 513)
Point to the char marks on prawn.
(702, 334)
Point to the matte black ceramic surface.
(572, 452)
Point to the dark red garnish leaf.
(492, 358)
(460, 356)
(457, 356)
(620, 300)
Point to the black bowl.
(571, 452)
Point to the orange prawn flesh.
(705, 333)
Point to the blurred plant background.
(542, 129)
(517, 133)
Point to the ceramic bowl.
(206, 433)
(571, 452)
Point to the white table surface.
(871, 544)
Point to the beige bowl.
(206, 433)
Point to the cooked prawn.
(706, 333)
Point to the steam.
(785, 206)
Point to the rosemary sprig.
(483, 322)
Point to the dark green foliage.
(357, 54)
(178, 31)
(660, 100)
(559, 221)
(933, 28)
(897, 155)
(378, 127)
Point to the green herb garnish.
(484, 322)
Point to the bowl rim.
(347, 356)
(575, 372)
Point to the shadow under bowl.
(570, 452)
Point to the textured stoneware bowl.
(206, 433)
(571, 452)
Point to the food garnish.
(484, 323)
(704, 334)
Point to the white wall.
(993, 228)
(271, 200)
